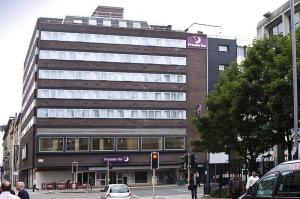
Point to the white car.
(116, 191)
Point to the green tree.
(251, 108)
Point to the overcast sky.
(238, 18)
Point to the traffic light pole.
(107, 180)
(189, 168)
(153, 183)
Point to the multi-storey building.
(221, 53)
(103, 88)
(279, 21)
(11, 149)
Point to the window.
(93, 22)
(266, 186)
(223, 48)
(221, 67)
(79, 21)
(103, 144)
(112, 57)
(127, 144)
(173, 143)
(140, 177)
(151, 143)
(136, 25)
(123, 24)
(106, 22)
(77, 144)
(289, 182)
(277, 30)
(241, 51)
(51, 144)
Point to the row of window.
(81, 144)
(111, 76)
(112, 39)
(112, 57)
(111, 113)
(110, 95)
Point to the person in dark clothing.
(193, 184)
(125, 180)
(12, 192)
(23, 194)
(235, 187)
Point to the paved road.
(163, 192)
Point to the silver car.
(116, 191)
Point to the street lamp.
(295, 94)
(202, 24)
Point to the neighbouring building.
(220, 54)
(11, 149)
(102, 88)
(279, 21)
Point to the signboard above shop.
(119, 159)
(196, 41)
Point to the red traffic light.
(154, 156)
(154, 160)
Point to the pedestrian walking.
(23, 194)
(193, 184)
(5, 191)
(251, 180)
(125, 179)
(235, 186)
(34, 185)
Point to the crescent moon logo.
(197, 40)
(126, 159)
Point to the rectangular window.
(127, 144)
(136, 25)
(93, 22)
(289, 182)
(223, 48)
(151, 143)
(77, 144)
(140, 177)
(123, 24)
(106, 22)
(103, 144)
(174, 143)
(221, 67)
(51, 144)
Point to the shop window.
(77, 144)
(174, 143)
(127, 144)
(51, 144)
(103, 144)
(141, 177)
(151, 143)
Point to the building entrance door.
(86, 177)
(112, 177)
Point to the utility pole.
(107, 179)
(189, 168)
(295, 94)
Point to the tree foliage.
(251, 108)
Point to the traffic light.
(184, 161)
(74, 167)
(154, 160)
(193, 161)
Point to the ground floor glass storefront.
(97, 178)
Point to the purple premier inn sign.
(121, 159)
(196, 41)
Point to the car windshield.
(119, 189)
